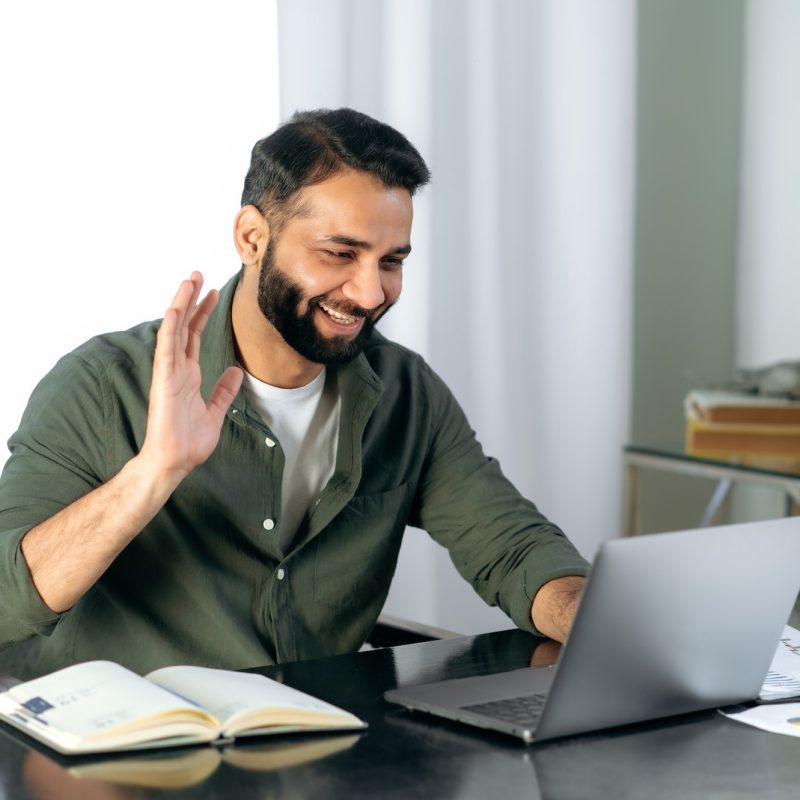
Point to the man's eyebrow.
(358, 244)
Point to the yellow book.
(717, 406)
(765, 441)
(723, 424)
(99, 706)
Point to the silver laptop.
(668, 623)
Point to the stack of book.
(722, 424)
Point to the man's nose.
(363, 288)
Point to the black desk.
(412, 756)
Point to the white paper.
(780, 718)
(782, 681)
(783, 678)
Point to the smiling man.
(230, 487)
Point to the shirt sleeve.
(57, 455)
(498, 540)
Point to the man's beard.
(279, 299)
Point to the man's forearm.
(68, 552)
(554, 606)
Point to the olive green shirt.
(206, 581)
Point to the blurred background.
(612, 218)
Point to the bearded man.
(229, 486)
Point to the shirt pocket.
(356, 554)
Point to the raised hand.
(182, 430)
(69, 551)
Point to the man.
(250, 510)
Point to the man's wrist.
(554, 606)
(148, 482)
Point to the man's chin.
(328, 349)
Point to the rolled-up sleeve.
(58, 454)
(498, 540)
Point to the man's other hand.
(554, 606)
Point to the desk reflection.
(126, 777)
(701, 756)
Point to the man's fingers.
(181, 300)
(182, 304)
(224, 392)
(177, 311)
(196, 282)
(198, 322)
(164, 360)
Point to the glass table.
(780, 474)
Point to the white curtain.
(519, 289)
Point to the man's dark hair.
(314, 145)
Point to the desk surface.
(404, 755)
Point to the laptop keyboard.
(524, 711)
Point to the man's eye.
(337, 253)
(393, 262)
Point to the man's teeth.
(337, 316)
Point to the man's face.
(336, 268)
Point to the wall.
(767, 319)
(687, 182)
(768, 322)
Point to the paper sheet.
(780, 718)
(783, 678)
(782, 681)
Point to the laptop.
(668, 623)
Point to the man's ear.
(250, 235)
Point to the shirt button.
(269, 442)
(268, 524)
(280, 574)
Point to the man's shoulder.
(134, 345)
(117, 357)
(386, 356)
(404, 373)
(109, 370)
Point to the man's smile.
(338, 316)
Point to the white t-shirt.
(306, 423)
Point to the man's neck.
(261, 350)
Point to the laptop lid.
(668, 623)
(675, 622)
